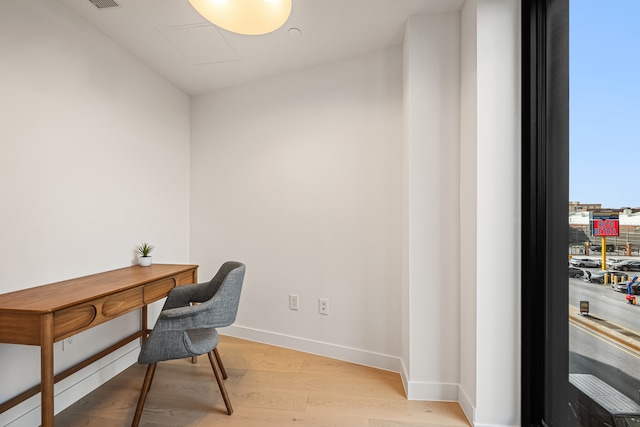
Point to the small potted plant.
(144, 250)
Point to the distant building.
(581, 207)
(587, 207)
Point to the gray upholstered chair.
(185, 329)
(205, 293)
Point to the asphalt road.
(596, 355)
(605, 303)
(590, 353)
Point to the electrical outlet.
(293, 302)
(68, 342)
(323, 306)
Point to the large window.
(604, 344)
(581, 350)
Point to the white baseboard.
(466, 405)
(419, 390)
(73, 388)
(334, 351)
(439, 392)
(470, 411)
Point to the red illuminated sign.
(605, 227)
(604, 223)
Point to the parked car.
(598, 276)
(584, 262)
(611, 261)
(575, 272)
(598, 248)
(622, 287)
(626, 265)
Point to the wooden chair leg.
(223, 389)
(219, 360)
(146, 385)
(194, 359)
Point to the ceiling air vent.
(102, 4)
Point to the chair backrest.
(226, 286)
(206, 290)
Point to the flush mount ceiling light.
(251, 17)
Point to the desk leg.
(46, 369)
(144, 322)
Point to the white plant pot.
(145, 261)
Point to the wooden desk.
(47, 314)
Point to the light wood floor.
(268, 386)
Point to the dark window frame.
(545, 196)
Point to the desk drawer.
(159, 289)
(122, 303)
(186, 278)
(72, 320)
(19, 328)
(67, 322)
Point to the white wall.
(468, 207)
(94, 159)
(432, 150)
(299, 176)
(498, 214)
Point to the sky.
(604, 102)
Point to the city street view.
(605, 341)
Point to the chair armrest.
(180, 312)
(182, 318)
(183, 296)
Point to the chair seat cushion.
(200, 341)
(171, 345)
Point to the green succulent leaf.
(145, 249)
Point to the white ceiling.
(172, 38)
